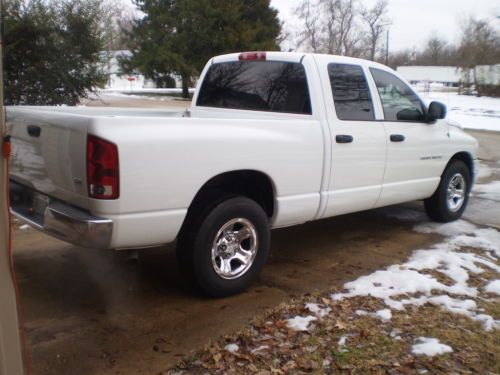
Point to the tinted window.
(256, 85)
(351, 94)
(399, 101)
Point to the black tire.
(194, 250)
(437, 206)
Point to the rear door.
(415, 152)
(358, 139)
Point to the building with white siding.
(446, 75)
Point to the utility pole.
(11, 359)
(387, 48)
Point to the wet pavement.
(105, 312)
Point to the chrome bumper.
(63, 221)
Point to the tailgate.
(49, 148)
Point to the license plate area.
(27, 203)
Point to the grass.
(372, 346)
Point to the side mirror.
(437, 111)
(409, 114)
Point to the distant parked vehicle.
(271, 140)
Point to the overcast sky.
(414, 20)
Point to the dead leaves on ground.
(372, 345)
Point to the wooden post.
(11, 360)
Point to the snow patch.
(487, 239)
(300, 323)
(470, 112)
(232, 348)
(454, 228)
(430, 347)
(384, 314)
(317, 310)
(489, 191)
(342, 341)
(395, 334)
(493, 287)
(412, 278)
(484, 171)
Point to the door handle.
(34, 130)
(397, 138)
(342, 138)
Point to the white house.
(447, 75)
(116, 80)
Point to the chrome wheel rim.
(234, 248)
(456, 193)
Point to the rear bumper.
(61, 220)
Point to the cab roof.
(289, 57)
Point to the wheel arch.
(465, 157)
(253, 184)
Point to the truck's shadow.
(302, 257)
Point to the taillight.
(102, 168)
(245, 56)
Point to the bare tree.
(376, 20)
(435, 49)
(437, 52)
(117, 22)
(329, 8)
(402, 58)
(330, 26)
(346, 10)
(479, 45)
(340, 22)
(354, 45)
(310, 35)
(285, 36)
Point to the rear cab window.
(270, 86)
(351, 94)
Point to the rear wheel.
(449, 201)
(226, 247)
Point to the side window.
(399, 101)
(351, 94)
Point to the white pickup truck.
(271, 140)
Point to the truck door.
(416, 151)
(359, 143)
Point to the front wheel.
(449, 201)
(227, 247)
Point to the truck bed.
(101, 111)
